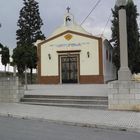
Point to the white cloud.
(97, 30)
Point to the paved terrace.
(68, 89)
(117, 120)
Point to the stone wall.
(124, 95)
(11, 90)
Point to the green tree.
(19, 59)
(29, 31)
(25, 57)
(132, 35)
(5, 55)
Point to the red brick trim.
(86, 79)
(70, 51)
(39, 63)
(49, 80)
(91, 79)
(100, 58)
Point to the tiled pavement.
(129, 121)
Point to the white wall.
(108, 66)
(88, 66)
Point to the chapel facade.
(72, 55)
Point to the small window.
(106, 54)
(110, 57)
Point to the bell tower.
(68, 18)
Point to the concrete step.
(85, 106)
(62, 101)
(97, 102)
(67, 97)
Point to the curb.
(99, 126)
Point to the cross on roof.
(68, 9)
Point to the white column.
(124, 73)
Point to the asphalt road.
(23, 129)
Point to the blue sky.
(52, 12)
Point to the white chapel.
(72, 55)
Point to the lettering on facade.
(70, 44)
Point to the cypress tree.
(29, 31)
(132, 35)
